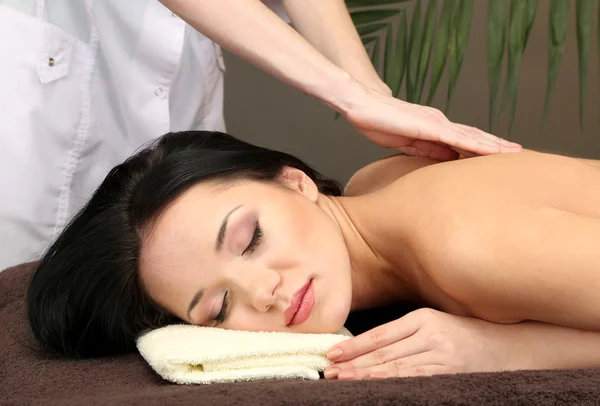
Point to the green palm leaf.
(409, 50)
(558, 21)
(371, 16)
(375, 54)
(530, 19)
(414, 51)
(585, 19)
(516, 47)
(440, 48)
(523, 24)
(365, 30)
(426, 44)
(395, 56)
(369, 45)
(458, 43)
(371, 3)
(496, 42)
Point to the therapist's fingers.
(484, 137)
(466, 154)
(471, 139)
(441, 130)
(394, 123)
(453, 138)
(477, 133)
(432, 150)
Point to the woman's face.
(250, 255)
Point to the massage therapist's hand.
(423, 342)
(418, 130)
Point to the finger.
(378, 337)
(466, 154)
(435, 151)
(455, 137)
(460, 136)
(410, 151)
(425, 370)
(505, 146)
(407, 347)
(477, 133)
(397, 367)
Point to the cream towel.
(188, 354)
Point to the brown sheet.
(28, 377)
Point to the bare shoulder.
(465, 225)
(510, 237)
(383, 172)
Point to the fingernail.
(346, 375)
(331, 373)
(334, 353)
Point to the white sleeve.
(277, 8)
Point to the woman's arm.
(428, 342)
(535, 345)
(252, 31)
(328, 27)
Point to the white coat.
(84, 83)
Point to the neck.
(375, 281)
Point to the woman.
(205, 229)
(90, 81)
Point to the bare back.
(529, 177)
(506, 237)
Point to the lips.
(301, 305)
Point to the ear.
(297, 180)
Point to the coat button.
(51, 62)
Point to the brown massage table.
(29, 377)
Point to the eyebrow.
(220, 238)
(194, 302)
(221, 234)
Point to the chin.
(336, 317)
(329, 323)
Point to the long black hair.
(85, 297)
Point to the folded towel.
(188, 354)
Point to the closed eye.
(255, 241)
(223, 313)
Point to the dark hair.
(85, 297)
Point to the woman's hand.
(423, 342)
(418, 130)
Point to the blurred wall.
(262, 110)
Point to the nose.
(260, 287)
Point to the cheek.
(306, 224)
(289, 225)
(248, 319)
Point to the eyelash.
(255, 241)
(221, 316)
